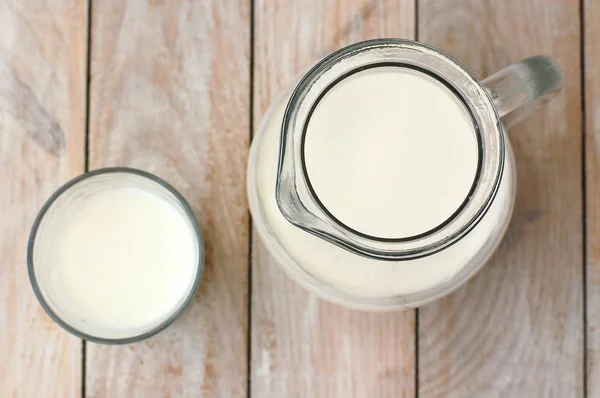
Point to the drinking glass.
(44, 246)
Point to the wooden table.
(177, 87)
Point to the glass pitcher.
(384, 178)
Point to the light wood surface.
(516, 330)
(592, 141)
(42, 130)
(301, 346)
(175, 90)
(170, 95)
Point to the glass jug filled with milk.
(384, 179)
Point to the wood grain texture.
(170, 95)
(301, 346)
(516, 329)
(42, 128)
(592, 140)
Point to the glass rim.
(162, 325)
(301, 206)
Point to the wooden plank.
(43, 52)
(301, 346)
(516, 329)
(170, 95)
(592, 141)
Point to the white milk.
(126, 260)
(390, 152)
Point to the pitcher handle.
(521, 88)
